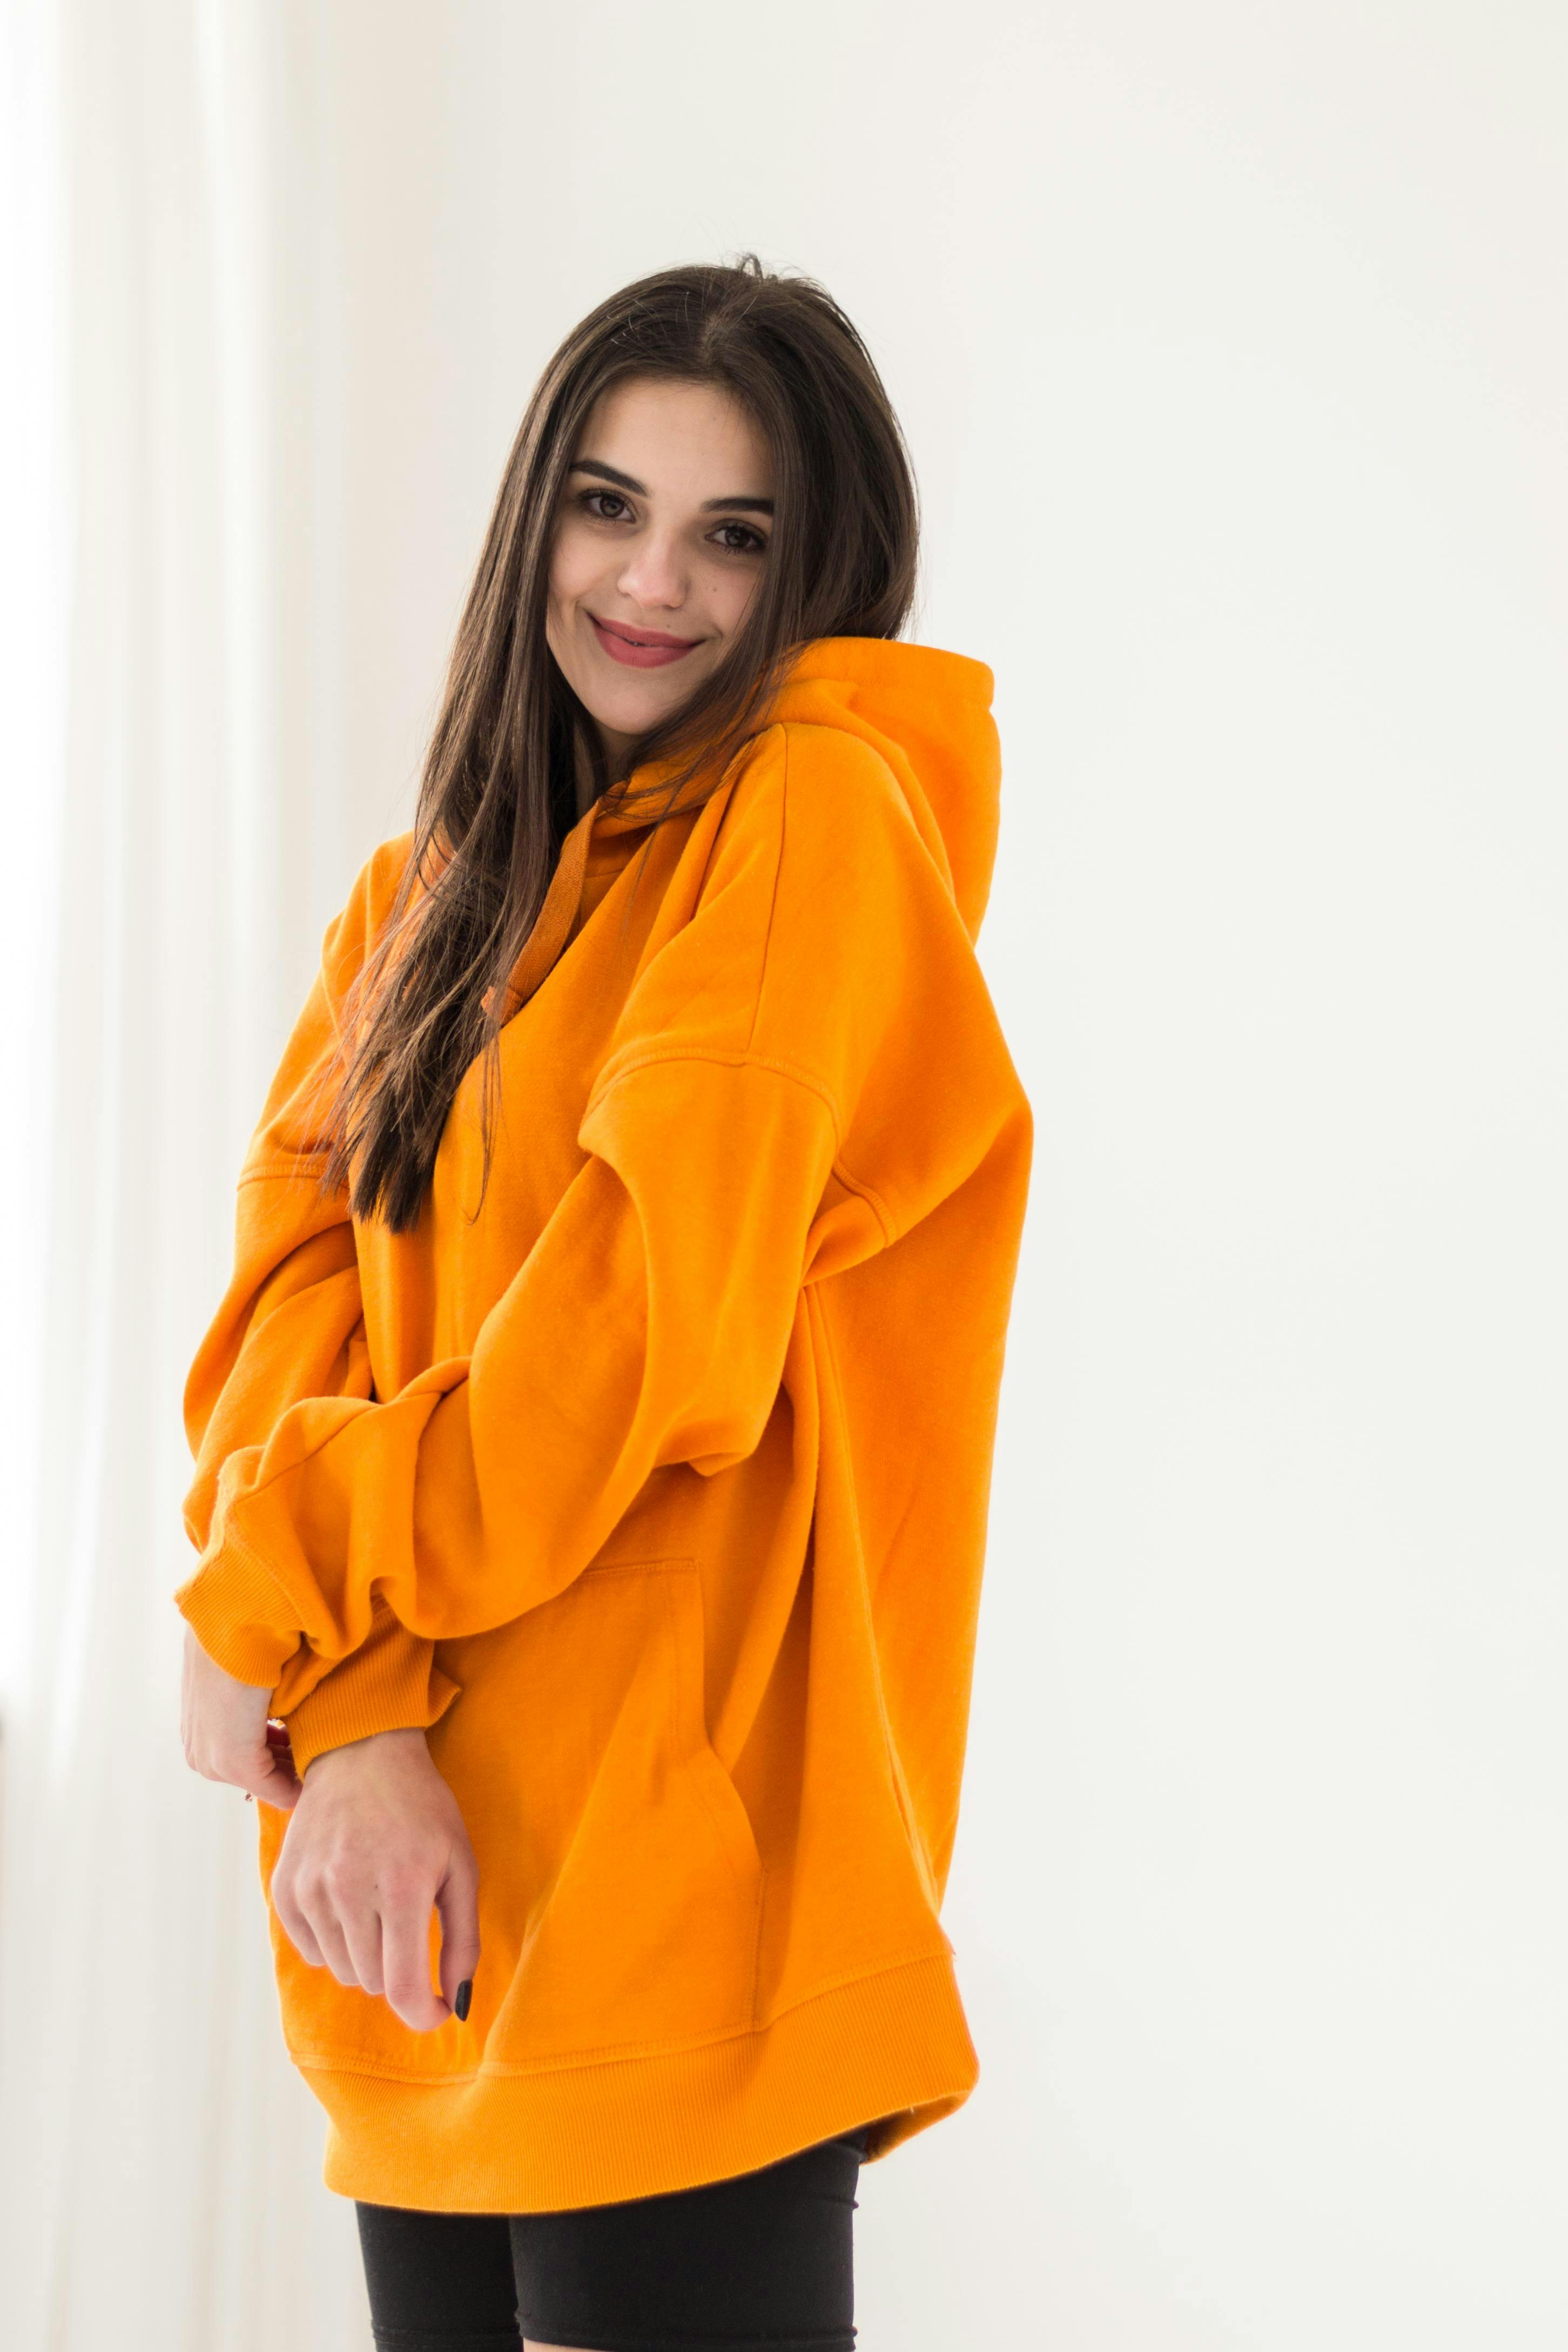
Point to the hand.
(223, 1724)
(376, 1841)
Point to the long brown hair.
(497, 792)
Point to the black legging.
(762, 2260)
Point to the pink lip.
(640, 648)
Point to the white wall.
(1229, 341)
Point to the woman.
(594, 1446)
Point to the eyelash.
(759, 544)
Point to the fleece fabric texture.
(657, 1491)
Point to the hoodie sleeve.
(291, 1326)
(808, 1063)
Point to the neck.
(615, 748)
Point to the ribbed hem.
(892, 2048)
(389, 1685)
(237, 1609)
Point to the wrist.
(399, 1736)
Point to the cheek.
(573, 567)
(729, 594)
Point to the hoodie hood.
(925, 711)
(928, 714)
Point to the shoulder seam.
(296, 1164)
(873, 1199)
(739, 1059)
(773, 900)
(800, 1077)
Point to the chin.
(633, 713)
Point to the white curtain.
(172, 606)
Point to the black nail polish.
(465, 1995)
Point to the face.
(660, 539)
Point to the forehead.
(680, 439)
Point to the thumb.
(276, 1781)
(277, 1784)
(457, 1908)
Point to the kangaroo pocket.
(623, 1881)
(619, 1884)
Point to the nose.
(655, 572)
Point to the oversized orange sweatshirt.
(658, 1492)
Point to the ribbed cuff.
(391, 1682)
(239, 1613)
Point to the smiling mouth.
(640, 648)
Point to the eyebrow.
(626, 482)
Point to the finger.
(293, 1922)
(260, 1772)
(406, 1959)
(277, 1782)
(321, 1912)
(361, 1929)
(458, 1905)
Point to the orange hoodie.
(657, 1491)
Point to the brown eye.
(590, 502)
(739, 539)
